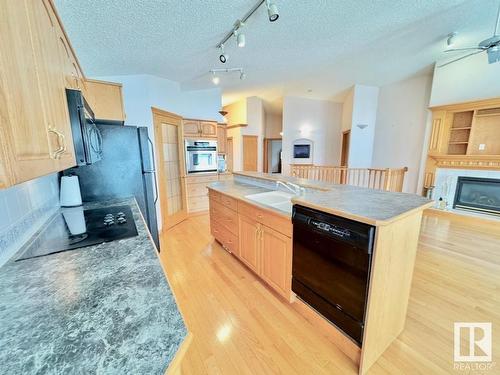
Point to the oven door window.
(201, 161)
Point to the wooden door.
(32, 144)
(191, 128)
(346, 138)
(221, 139)
(249, 237)
(229, 154)
(208, 129)
(43, 23)
(276, 265)
(250, 148)
(170, 165)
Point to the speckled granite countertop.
(105, 309)
(374, 207)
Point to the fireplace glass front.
(478, 194)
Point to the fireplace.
(478, 194)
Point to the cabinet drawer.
(229, 202)
(197, 190)
(275, 221)
(200, 179)
(197, 204)
(228, 240)
(215, 196)
(225, 216)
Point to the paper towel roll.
(70, 192)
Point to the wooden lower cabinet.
(249, 237)
(276, 260)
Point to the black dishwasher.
(331, 267)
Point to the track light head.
(242, 75)
(450, 39)
(223, 56)
(240, 38)
(215, 79)
(272, 11)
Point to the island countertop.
(370, 206)
(106, 308)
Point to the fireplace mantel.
(491, 162)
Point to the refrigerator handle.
(154, 170)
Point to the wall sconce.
(362, 126)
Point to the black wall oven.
(331, 267)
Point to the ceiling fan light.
(493, 54)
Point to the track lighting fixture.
(272, 11)
(223, 56)
(450, 40)
(216, 79)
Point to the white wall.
(24, 209)
(465, 80)
(317, 120)
(364, 112)
(401, 124)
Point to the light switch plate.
(482, 147)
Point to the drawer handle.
(260, 216)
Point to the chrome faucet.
(294, 188)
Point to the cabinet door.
(191, 128)
(106, 100)
(249, 232)
(31, 143)
(438, 132)
(208, 129)
(221, 139)
(43, 23)
(276, 260)
(5, 175)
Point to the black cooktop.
(74, 228)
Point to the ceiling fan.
(491, 46)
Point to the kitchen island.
(106, 308)
(251, 217)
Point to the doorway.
(250, 153)
(344, 157)
(170, 155)
(272, 155)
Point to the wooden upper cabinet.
(197, 128)
(221, 139)
(105, 99)
(43, 22)
(208, 128)
(438, 132)
(249, 237)
(191, 128)
(276, 261)
(31, 142)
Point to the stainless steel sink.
(276, 199)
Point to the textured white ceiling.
(322, 45)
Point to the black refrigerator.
(126, 169)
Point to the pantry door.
(170, 158)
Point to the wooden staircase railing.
(389, 179)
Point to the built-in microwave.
(87, 139)
(201, 156)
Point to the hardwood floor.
(240, 327)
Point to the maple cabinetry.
(199, 128)
(36, 129)
(105, 99)
(261, 239)
(221, 139)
